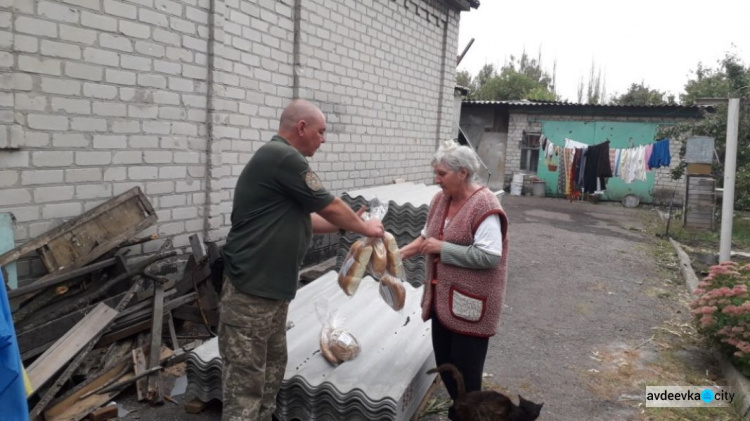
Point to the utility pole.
(730, 167)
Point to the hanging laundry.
(660, 156)
(597, 168)
(561, 173)
(570, 143)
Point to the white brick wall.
(104, 95)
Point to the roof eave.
(581, 110)
(462, 5)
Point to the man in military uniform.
(279, 202)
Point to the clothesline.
(583, 167)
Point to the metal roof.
(532, 103)
(671, 110)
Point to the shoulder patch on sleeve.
(312, 180)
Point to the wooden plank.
(29, 339)
(111, 228)
(154, 380)
(73, 408)
(62, 351)
(45, 238)
(73, 365)
(35, 335)
(46, 244)
(139, 364)
(121, 332)
(57, 277)
(71, 405)
(199, 249)
(103, 414)
(172, 331)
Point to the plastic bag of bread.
(353, 268)
(394, 264)
(336, 343)
(393, 292)
(378, 264)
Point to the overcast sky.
(659, 42)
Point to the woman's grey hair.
(455, 157)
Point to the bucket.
(539, 189)
(515, 188)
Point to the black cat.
(487, 405)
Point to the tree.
(640, 94)
(521, 78)
(595, 89)
(731, 79)
(463, 78)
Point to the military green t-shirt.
(271, 225)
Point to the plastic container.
(540, 188)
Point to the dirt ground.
(595, 310)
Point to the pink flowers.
(721, 309)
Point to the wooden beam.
(56, 278)
(139, 366)
(62, 351)
(154, 381)
(63, 378)
(48, 236)
(121, 332)
(172, 331)
(73, 403)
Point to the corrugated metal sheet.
(386, 381)
(527, 103)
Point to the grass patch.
(710, 239)
(675, 354)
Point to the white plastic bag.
(336, 344)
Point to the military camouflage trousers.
(252, 344)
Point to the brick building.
(98, 96)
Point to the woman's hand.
(412, 249)
(431, 246)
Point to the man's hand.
(431, 246)
(374, 228)
(361, 211)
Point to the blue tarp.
(13, 405)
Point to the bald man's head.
(303, 125)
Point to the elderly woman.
(466, 247)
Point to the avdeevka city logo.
(687, 396)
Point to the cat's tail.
(457, 376)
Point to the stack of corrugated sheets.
(387, 381)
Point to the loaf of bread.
(393, 292)
(325, 346)
(344, 345)
(354, 267)
(379, 260)
(394, 265)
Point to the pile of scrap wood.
(93, 325)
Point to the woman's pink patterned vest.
(466, 301)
